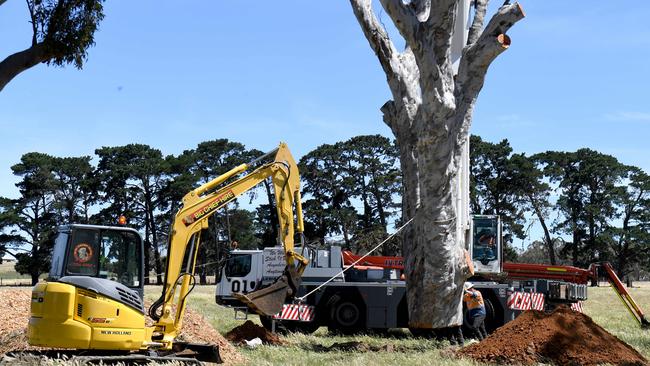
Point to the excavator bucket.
(269, 300)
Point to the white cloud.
(513, 120)
(628, 116)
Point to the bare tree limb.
(2, 2)
(438, 11)
(400, 68)
(376, 35)
(403, 17)
(478, 57)
(422, 9)
(477, 23)
(32, 18)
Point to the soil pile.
(250, 330)
(563, 337)
(14, 317)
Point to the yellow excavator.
(93, 298)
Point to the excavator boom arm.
(204, 201)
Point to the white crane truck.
(372, 293)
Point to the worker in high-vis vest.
(475, 310)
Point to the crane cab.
(92, 298)
(485, 244)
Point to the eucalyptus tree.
(496, 188)
(430, 115)
(370, 169)
(194, 167)
(30, 221)
(327, 205)
(62, 33)
(589, 184)
(630, 242)
(133, 178)
(528, 181)
(77, 190)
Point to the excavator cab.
(92, 298)
(101, 253)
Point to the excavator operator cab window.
(118, 260)
(105, 253)
(82, 253)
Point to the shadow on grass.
(361, 347)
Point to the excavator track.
(80, 358)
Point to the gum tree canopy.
(62, 32)
(434, 83)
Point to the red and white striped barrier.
(526, 301)
(303, 313)
(577, 306)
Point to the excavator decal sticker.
(82, 253)
(227, 196)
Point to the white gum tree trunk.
(430, 114)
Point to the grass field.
(9, 276)
(603, 306)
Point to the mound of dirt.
(14, 317)
(563, 337)
(250, 330)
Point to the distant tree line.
(589, 206)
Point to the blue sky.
(173, 74)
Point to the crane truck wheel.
(346, 317)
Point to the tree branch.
(478, 57)
(375, 34)
(32, 16)
(400, 68)
(477, 23)
(14, 64)
(422, 9)
(404, 18)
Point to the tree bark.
(430, 115)
(18, 62)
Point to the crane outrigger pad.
(269, 300)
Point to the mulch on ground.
(563, 337)
(250, 330)
(14, 316)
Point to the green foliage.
(66, 28)
(589, 185)
(133, 177)
(362, 169)
(77, 188)
(350, 191)
(496, 187)
(30, 220)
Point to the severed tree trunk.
(430, 115)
